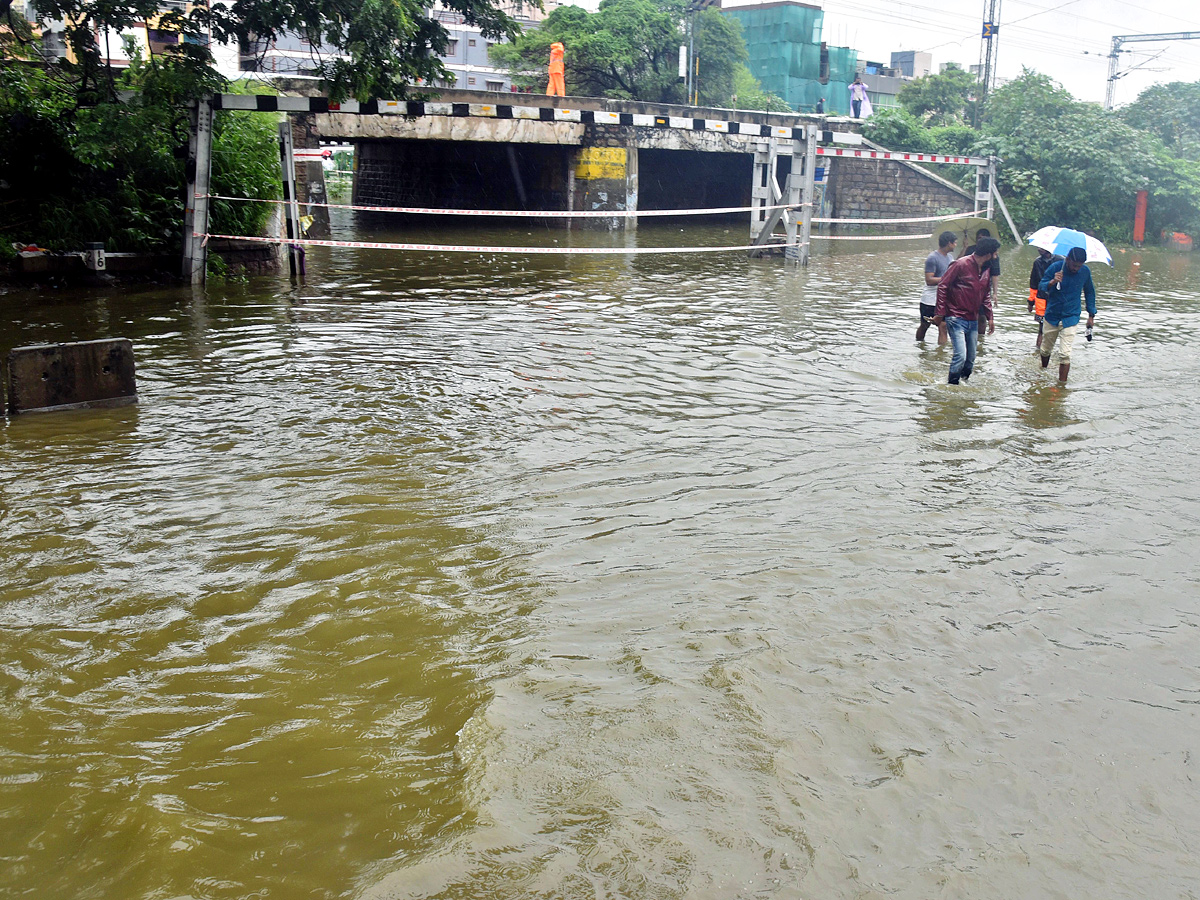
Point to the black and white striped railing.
(416, 108)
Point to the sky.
(1069, 40)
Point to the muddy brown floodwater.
(596, 577)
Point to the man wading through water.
(963, 294)
(936, 265)
(1062, 283)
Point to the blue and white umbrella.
(1061, 241)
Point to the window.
(470, 81)
(495, 85)
(471, 42)
(452, 49)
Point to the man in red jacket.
(963, 293)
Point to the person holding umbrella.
(1062, 283)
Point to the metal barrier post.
(291, 213)
(199, 172)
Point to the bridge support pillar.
(605, 178)
(310, 176)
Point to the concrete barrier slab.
(70, 376)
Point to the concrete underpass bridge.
(489, 151)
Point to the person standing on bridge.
(860, 103)
(964, 290)
(557, 86)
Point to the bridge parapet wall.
(885, 188)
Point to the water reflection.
(1047, 405)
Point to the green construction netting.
(784, 43)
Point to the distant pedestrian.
(1062, 283)
(860, 103)
(1037, 299)
(557, 86)
(962, 293)
(936, 265)
(821, 106)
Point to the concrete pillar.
(195, 211)
(631, 186)
(310, 176)
(291, 215)
(808, 191)
(602, 183)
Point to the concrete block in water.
(69, 376)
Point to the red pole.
(1139, 218)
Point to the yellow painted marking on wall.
(600, 162)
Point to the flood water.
(448, 576)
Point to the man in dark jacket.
(963, 299)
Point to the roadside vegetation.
(71, 173)
(629, 50)
(80, 162)
(1062, 162)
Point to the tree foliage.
(1077, 165)
(1068, 163)
(947, 98)
(629, 49)
(113, 172)
(748, 93)
(381, 47)
(1171, 111)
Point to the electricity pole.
(1120, 39)
(989, 52)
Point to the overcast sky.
(1069, 40)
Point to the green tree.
(382, 47)
(720, 50)
(748, 93)
(1172, 111)
(1032, 97)
(947, 98)
(113, 172)
(629, 49)
(898, 129)
(1074, 164)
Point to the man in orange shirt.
(556, 87)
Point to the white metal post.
(808, 192)
(764, 188)
(199, 173)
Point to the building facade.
(789, 58)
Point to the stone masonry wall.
(884, 188)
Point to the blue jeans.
(964, 338)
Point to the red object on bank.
(1139, 217)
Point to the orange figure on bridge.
(556, 87)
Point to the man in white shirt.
(936, 265)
